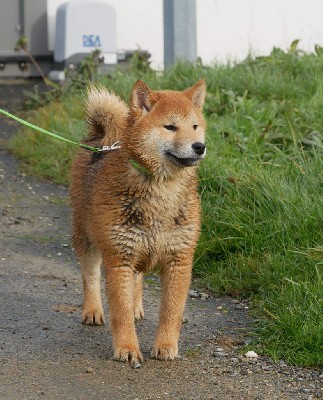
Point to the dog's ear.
(197, 93)
(142, 97)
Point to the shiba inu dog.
(137, 207)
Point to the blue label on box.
(91, 41)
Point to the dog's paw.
(93, 317)
(139, 312)
(164, 351)
(130, 354)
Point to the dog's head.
(166, 131)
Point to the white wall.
(226, 29)
(230, 29)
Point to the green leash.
(54, 135)
(114, 146)
(140, 167)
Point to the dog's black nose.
(199, 148)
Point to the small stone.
(136, 365)
(219, 349)
(203, 296)
(219, 354)
(251, 354)
(193, 294)
(89, 370)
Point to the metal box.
(83, 26)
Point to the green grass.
(261, 186)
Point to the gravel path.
(46, 353)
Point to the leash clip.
(114, 146)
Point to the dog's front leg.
(120, 293)
(139, 309)
(176, 279)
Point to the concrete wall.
(226, 29)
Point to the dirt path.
(45, 353)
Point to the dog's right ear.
(142, 97)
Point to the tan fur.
(131, 219)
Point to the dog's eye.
(170, 127)
(195, 127)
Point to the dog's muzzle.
(198, 153)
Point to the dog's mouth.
(182, 162)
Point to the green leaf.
(293, 46)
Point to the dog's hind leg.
(138, 305)
(91, 271)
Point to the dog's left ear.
(197, 93)
(142, 97)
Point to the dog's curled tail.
(106, 115)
